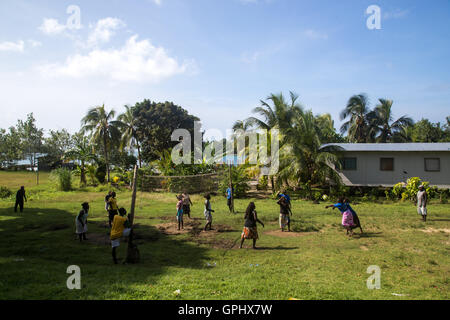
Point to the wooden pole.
(37, 172)
(133, 195)
(231, 186)
(132, 251)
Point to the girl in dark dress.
(250, 230)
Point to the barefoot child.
(180, 211)
(347, 217)
(81, 221)
(187, 204)
(250, 229)
(120, 227)
(112, 207)
(284, 214)
(207, 212)
(230, 197)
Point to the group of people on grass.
(184, 207)
(118, 221)
(120, 224)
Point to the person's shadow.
(39, 242)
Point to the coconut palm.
(357, 127)
(279, 116)
(98, 122)
(82, 152)
(241, 125)
(126, 122)
(302, 160)
(382, 124)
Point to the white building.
(385, 164)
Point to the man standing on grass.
(422, 200)
(230, 197)
(20, 196)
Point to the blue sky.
(218, 58)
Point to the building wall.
(368, 171)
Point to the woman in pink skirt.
(347, 217)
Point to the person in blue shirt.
(284, 195)
(347, 215)
(355, 216)
(230, 197)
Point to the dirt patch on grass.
(56, 227)
(100, 224)
(171, 228)
(98, 238)
(364, 248)
(432, 230)
(194, 228)
(285, 234)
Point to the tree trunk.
(105, 144)
(139, 154)
(83, 174)
(133, 255)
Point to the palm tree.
(82, 152)
(357, 126)
(98, 122)
(279, 116)
(241, 125)
(302, 159)
(382, 123)
(126, 122)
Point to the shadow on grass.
(44, 239)
(368, 235)
(275, 248)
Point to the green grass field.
(318, 262)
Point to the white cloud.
(34, 43)
(136, 61)
(52, 27)
(157, 2)
(18, 46)
(250, 57)
(104, 30)
(313, 34)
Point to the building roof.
(411, 147)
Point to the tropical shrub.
(5, 193)
(263, 183)
(63, 178)
(240, 181)
(397, 190)
(100, 173)
(443, 196)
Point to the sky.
(218, 58)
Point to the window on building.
(432, 164)
(348, 163)
(387, 164)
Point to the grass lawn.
(318, 262)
